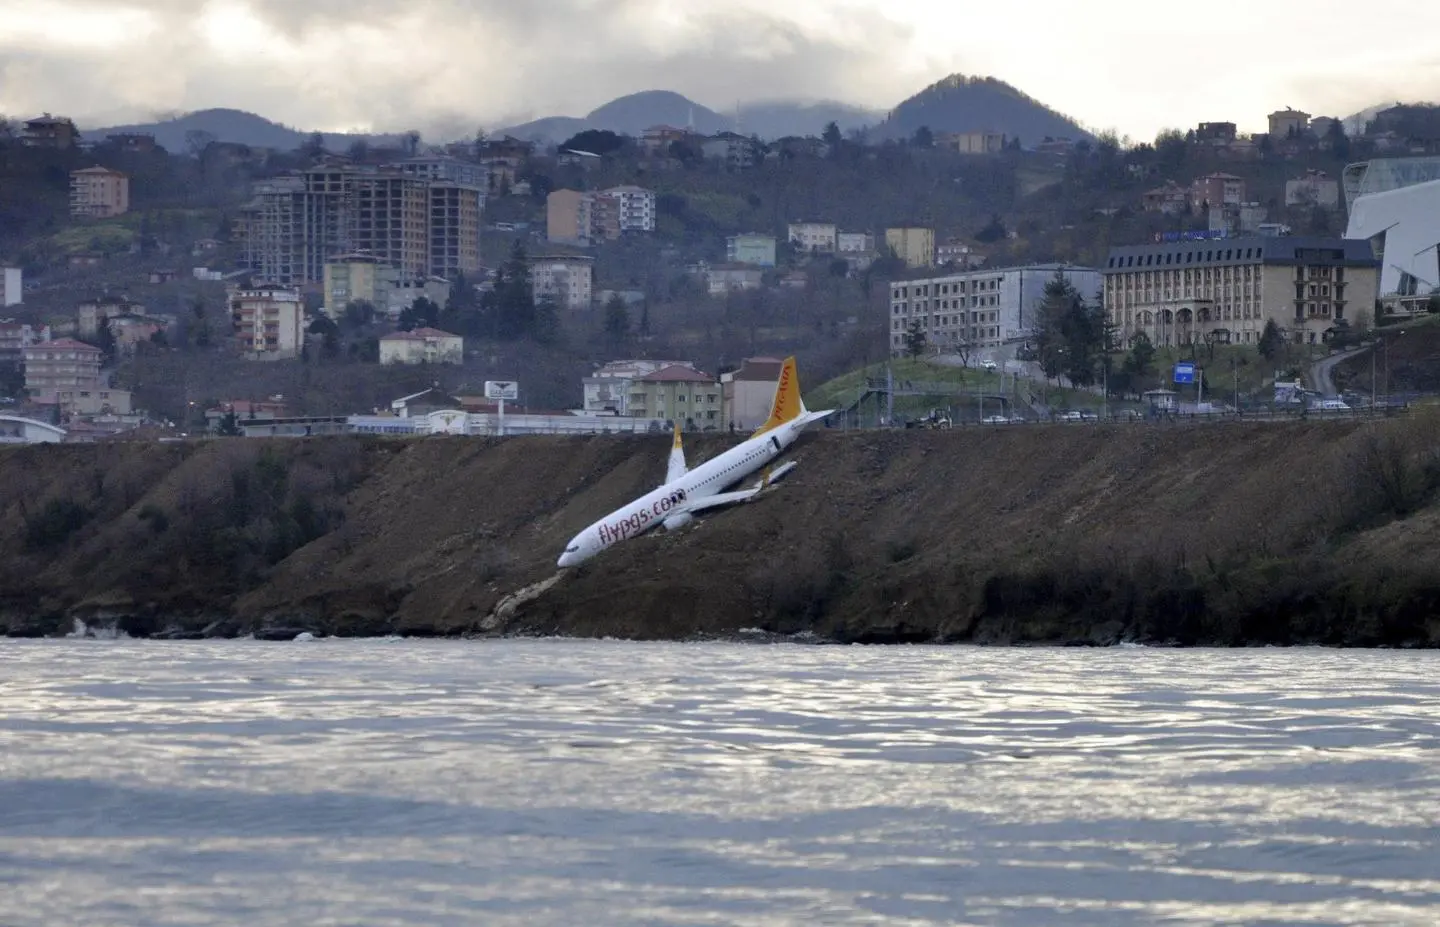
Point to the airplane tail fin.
(788, 405)
(676, 466)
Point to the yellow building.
(914, 246)
(1225, 290)
(354, 278)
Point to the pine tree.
(617, 321)
(1270, 340)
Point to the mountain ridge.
(954, 104)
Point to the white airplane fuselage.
(670, 502)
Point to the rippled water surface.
(589, 783)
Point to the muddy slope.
(1234, 534)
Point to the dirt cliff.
(1227, 534)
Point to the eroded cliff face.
(1227, 534)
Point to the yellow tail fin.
(787, 405)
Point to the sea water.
(595, 782)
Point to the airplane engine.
(676, 522)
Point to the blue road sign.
(1185, 373)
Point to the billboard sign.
(1185, 372)
(502, 389)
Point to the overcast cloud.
(446, 66)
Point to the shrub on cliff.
(53, 525)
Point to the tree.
(915, 340)
(595, 141)
(617, 320)
(314, 146)
(105, 341)
(422, 313)
(510, 306)
(197, 140)
(545, 324)
(993, 232)
(644, 327)
(832, 138)
(229, 425)
(1271, 341)
(359, 150)
(923, 138)
(358, 314)
(1071, 336)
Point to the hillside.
(633, 114)
(974, 104)
(230, 125)
(1046, 534)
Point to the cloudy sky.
(448, 65)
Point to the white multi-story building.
(269, 322)
(852, 243)
(12, 286)
(422, 346)
(568, 279)
(818, 237)
(990, 312)
(636, 208)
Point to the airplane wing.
(710, 502)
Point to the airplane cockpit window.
(571, 550)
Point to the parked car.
(989, 365)
(995, 420)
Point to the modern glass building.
(1385, 174)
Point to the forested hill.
(978, 104)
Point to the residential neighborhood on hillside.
(165, 275)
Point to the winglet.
(787, 405)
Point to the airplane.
(686, 492)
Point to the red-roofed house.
(680, 394)
(422, 346)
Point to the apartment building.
(608, 389)
(851, 244)
(957, 253)
(747, 394)
(750, 248)
(914, 246)
(1287, 122)
(723, 278)
(679, 394)
(1227, 289)
(93, 313)
(49, 131)
(420, 225)
(634, 206)
(15, 337)
(568, 279)
(99, 193)
(422, 346)
(987, 311)
(814, 237)
(1216, 190)
(268, 322)
(12, 286)
(568, 217)
(975, 143)
(61, 365)
(1314, 189)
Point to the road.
(1322, 371)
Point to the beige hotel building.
(1225, 290)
